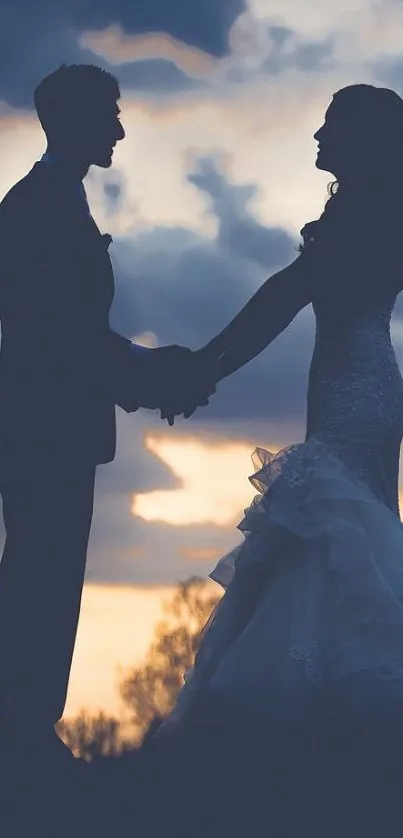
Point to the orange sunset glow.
(115, 629)
(214, 482)
(117, 622)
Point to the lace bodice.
(355, 393)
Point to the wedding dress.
(326, 628)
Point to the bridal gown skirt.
(311, 624)
(293, 713)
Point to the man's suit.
(62, 371)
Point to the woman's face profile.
(335, 141)
(351, 143)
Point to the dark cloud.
(205, 24)
(239, 233)
(272, 387)
(38, 36)
(35, 38)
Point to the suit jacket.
(62, 368)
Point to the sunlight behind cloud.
(120, 47)
(215, 487)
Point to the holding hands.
(194, 381)
(177, 380)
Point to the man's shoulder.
(29, 196)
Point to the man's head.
(77, 106)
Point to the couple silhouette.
(306, 643)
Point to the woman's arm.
(262, 319)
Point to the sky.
(205, 200)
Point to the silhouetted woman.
(294, 711)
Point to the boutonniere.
(107, 240)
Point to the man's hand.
(195, 383)
(159, 368)
(176, 380)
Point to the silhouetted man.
(62, 371)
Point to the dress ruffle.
(296, 488)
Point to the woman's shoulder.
(354, 247)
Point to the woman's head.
(361, 144)
(361, 139)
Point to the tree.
(89, 736)
(150, 689)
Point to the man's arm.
(58, 326)
(127, 362)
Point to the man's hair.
(71, 89)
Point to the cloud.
(37, 37)
(126, 548)
(120, 48)
(389, 71)
(151, 76)
(343, 42)
(160, 47)
(212, 477)
(196, 280)
(44, 34)
(238, 232)
(136, 536)
(288, 50)
(204, 25)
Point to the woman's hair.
(374, 115)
